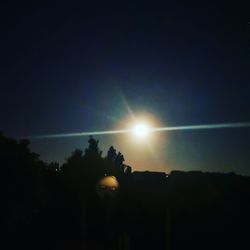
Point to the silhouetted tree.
(53, 167)
(49, 200)
(111, 155)
(119, 160)
(22, 187)
(93, 149)
(45, 206)
(73, 173)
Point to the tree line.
(46, 200)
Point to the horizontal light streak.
(160, 129)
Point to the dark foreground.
(47, 207)
(151, 211)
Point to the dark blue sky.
(69, 67)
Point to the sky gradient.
(72, 67)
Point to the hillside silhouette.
(97, 202)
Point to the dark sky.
(71, 67)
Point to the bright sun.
(141, 130)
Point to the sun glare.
(141, 130)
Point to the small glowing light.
(107, 186)
(141, 130)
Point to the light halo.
(141, 130)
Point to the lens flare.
(142, 130)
